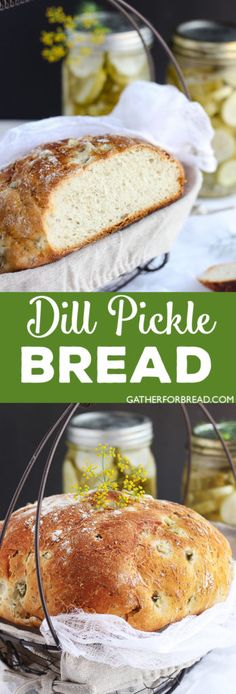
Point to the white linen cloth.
(156, 113)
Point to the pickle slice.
(229, 111)
(211, 108)
(201, 90)
(123, 68)
(85, 65)
(217, 493)
(221, 492)
(205, 507)
(229, 76)
(222, 93)
(87, 90)
(223, 145)
(227, 173)
(228, 510)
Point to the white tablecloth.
(208, 238)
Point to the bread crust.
(229, 286)
(221, 285)
(152, 562)
(25, 196)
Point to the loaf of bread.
(220, 278)
(66, 194)
(152, 562)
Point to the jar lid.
(119, 429)
(205, 440)
(119, 35)
(208, 40)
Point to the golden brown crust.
(222, 286)
(222, 283)
(26, 186)
(152, 563)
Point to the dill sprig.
(131, 488)
(57, 41)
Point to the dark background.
(30, 87)
(22, 426)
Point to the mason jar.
(130, 435)
(206, 52)
(99, 66)
(212, 489)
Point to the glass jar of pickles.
(206, 52)
(130, 435)
(104, 56)
(212, 489)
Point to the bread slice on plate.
(220, 278)
(67, 194)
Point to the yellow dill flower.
(121, 467)
(89, 472)
(60, 36)
(131, 488)
(79, 491)
(101, 449)
(69, 22)
(47, 38)
(54, 53)
(126, 460)
(109, 474)
(55, 15)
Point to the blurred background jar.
(105, 55)
(130, 435)
(212, 489)
(206, 52)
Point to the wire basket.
(27, 651)
(30, 656)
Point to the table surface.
(207, 238)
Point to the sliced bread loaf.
(220, 278)
(67, 194)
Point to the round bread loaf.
(152, 562)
